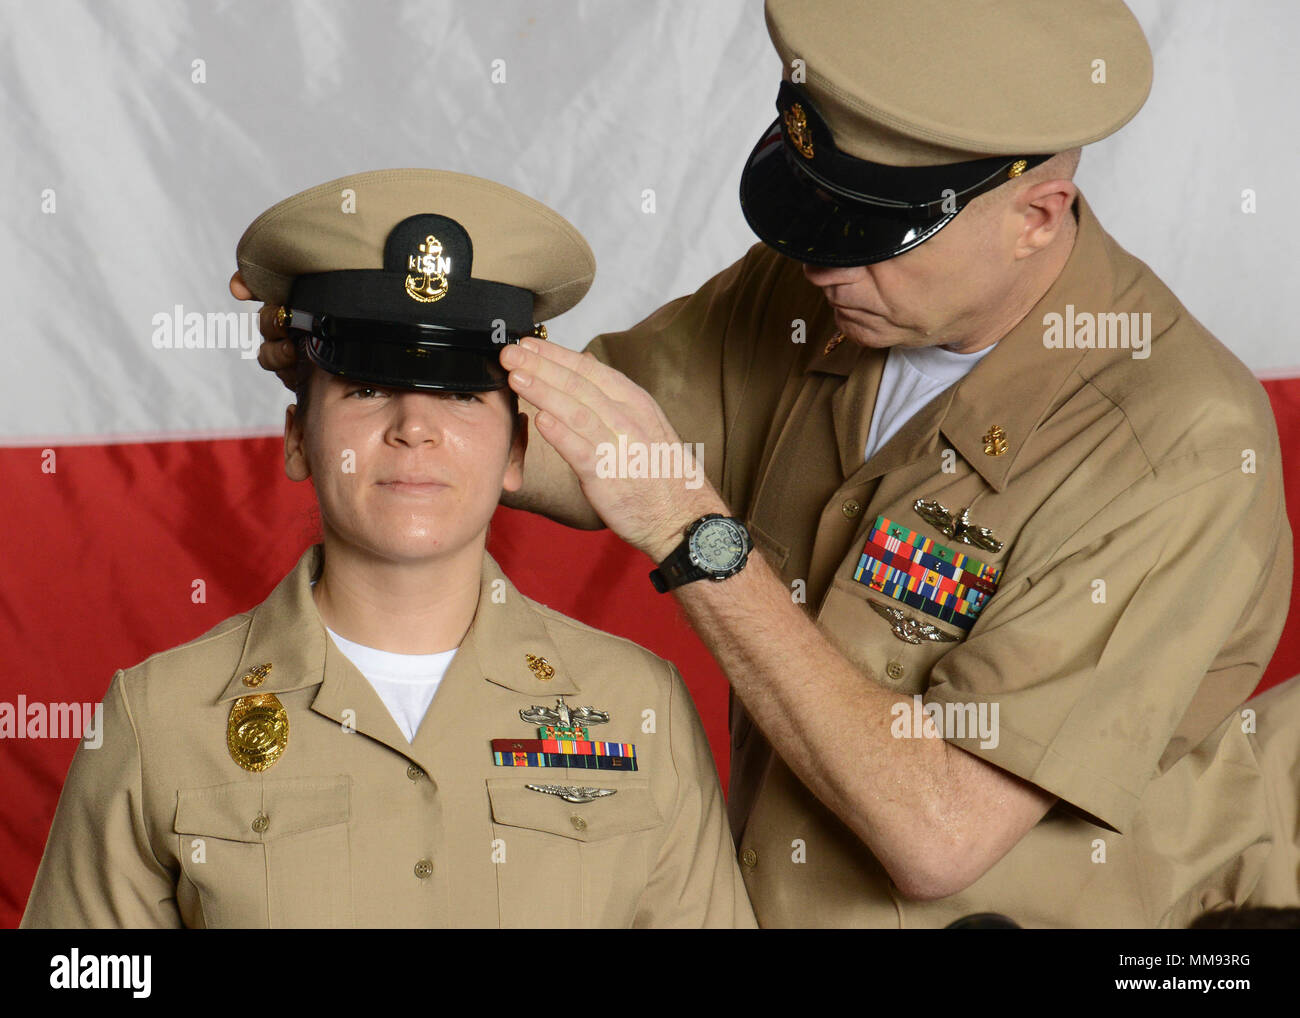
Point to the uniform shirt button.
(851, 508)
(261, 822)
(579, 824)
(894, 670)
(414, 773)
(749, 858)
(424, 869)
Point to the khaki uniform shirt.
(1146, 570)
(160, 826)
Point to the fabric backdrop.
(139, 139)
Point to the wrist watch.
(714, 548)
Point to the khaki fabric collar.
(1012, 387)
(287, 633)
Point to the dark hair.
(306, 371)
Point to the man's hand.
(277, 353)
(584, 408)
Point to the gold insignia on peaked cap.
(427, 279)
(928, 82)
(257, 731)
(344, 224)
(796, 123)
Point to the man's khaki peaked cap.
(929, 82)
(517, 240)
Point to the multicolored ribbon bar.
(923, 574)
(582, 754)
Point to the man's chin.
(880, 337)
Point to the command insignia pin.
(257, 731)
(257, 676)
(540, 667)
(907, 628)
(573, 793)
(959, 528)
(995, 441)
(833, 342)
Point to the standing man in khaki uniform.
(1074, 550)
(396, 736)
(1024, 549)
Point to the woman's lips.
(412, 487)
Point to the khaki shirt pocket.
(270, 853)
(572, 864)
(867, 638)
(773, 550)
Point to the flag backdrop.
(140, 138)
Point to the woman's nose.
(416, 418)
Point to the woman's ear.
(296, 467)
(514, 479)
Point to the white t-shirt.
(912, 377)
(405, 682)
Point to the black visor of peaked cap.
(816, 204)
(421, 322)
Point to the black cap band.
(381, 296)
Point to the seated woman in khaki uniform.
(396, 736)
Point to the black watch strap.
(675, 570)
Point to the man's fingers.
(238, 289)
(589, 415)
(280, 356)
(543, 358)
(573, 448)
(277, 354)
(267, 324)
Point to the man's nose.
(833, 275)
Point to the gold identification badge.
(258, 731)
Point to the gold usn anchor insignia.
(429, 269)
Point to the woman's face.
(407, 476)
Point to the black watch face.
(718, 545)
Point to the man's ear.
(514, 478)
(296, 467)
(1045, 211)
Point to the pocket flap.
(290, 807)
(631, 808)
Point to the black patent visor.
(399, 355)
(808, 222)
(825, 207)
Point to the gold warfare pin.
(956, 525)
(257, 731)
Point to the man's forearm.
(922, 806)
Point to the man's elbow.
(941, 866)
